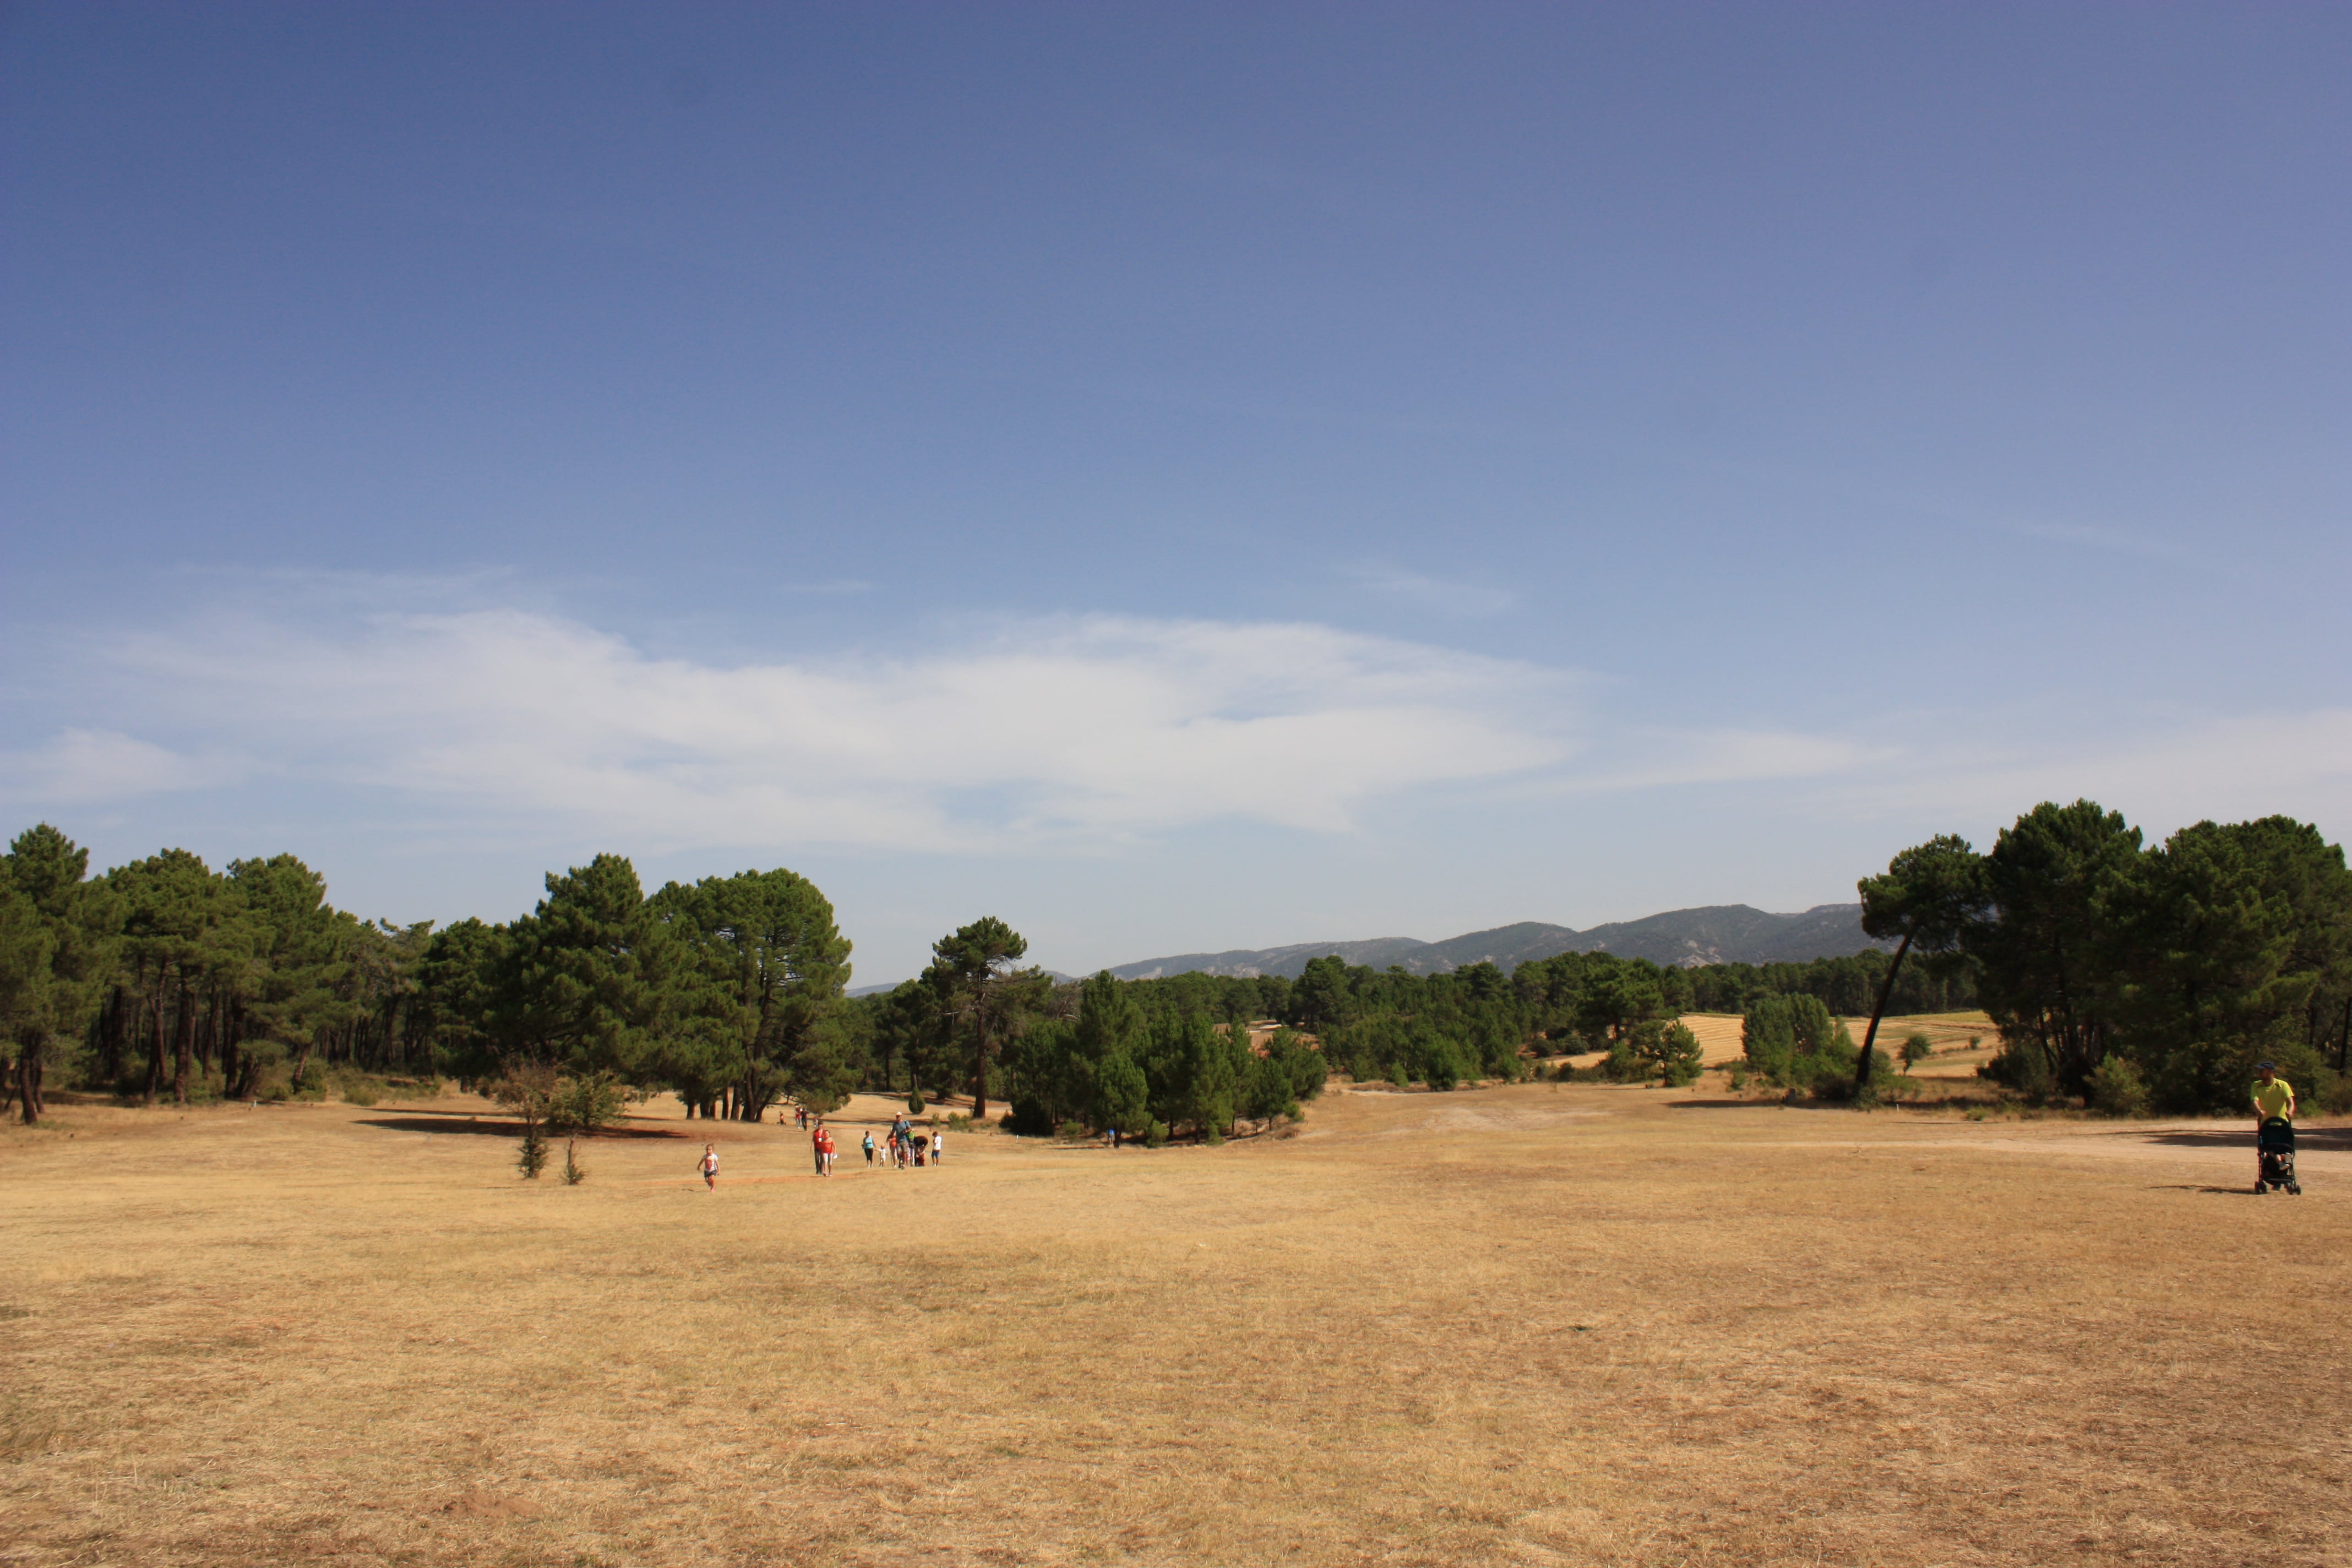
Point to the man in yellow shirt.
(2274, 1096)
(2273, 1148)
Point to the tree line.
(165, 978)
(2126, 975)
(2133, 976)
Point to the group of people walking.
(903, 1145)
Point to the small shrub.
(1834, 1086)
(957, 1122)
(914, 1102)
(1670, 1050)
(1621, 1066)
(573, 1171)
(2024, 1069)
(1738, 1077)
(1213, 1136)
(1916, 1049)
(2118, 1089)
(1155, 1135)
(583, 1104)
(1977, 1113)
(2335, 1095)
(532, 1159)
(1068, 1132)
(1397, 1078)
(358, 1090)
(1025, 1117)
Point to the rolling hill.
(1717, 934)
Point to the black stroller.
(2275, 1148)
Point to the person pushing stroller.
(2274, 1131)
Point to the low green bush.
(2118, 1089)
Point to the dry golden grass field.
(1573, 1324)
(1949, 1032)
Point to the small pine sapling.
(533, 1158)
(575, 1172)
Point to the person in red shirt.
(816, 1146)
(824, 1149)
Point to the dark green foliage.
(758, 970)
(583, 1104)
(575, 1172)
(2226, 945)
(2117, 1089)
(1668, 1051)
(972, 975)
(2050, 952)
(531, 1159)
(1794, 1042)
(1846, 985)
(1927, 900)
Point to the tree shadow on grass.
(2243, 1192)
(2338, 1139)
(501, 1129)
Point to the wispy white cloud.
(1654, 759)
(107, 765)
(1446, 595)
(468, 723)
(1068, 731)
(2173, 772)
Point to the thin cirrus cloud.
(1065, 732)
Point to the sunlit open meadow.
(1576, 1324)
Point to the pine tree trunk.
(28, 1076)
(156, 1045)
(979, 1060)
(110, 1036)
(1870, 1038)
(184, 1044)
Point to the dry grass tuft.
(1546, 1324)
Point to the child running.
(710, 1167)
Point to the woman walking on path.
(824, 1147)
(710, 1167)
(868, 1146)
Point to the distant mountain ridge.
(1716, 933)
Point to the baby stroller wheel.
(2295, 1188)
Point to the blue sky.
(1176, 478)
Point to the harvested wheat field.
(1539, 1325)
(1948, 1034)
